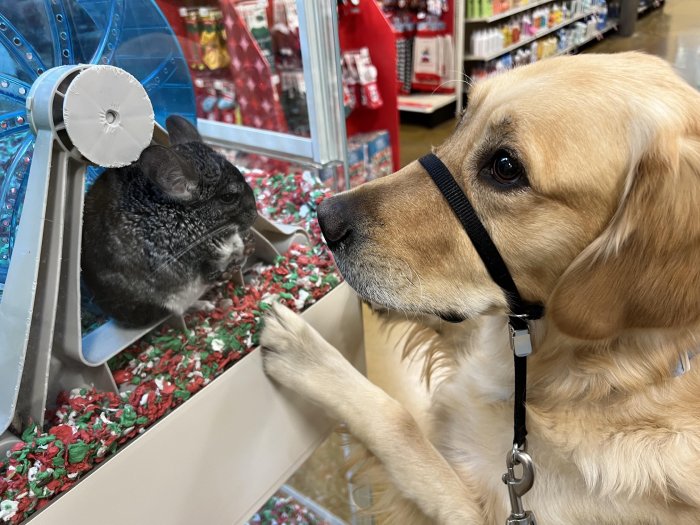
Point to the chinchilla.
(157, 234)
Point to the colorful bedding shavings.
(289, 199)
(281, 509)
(191, 360)
(160, 372)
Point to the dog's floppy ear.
(643, 271)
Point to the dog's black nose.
(335, 218)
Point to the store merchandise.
(357, 163)
(432, 56)
(562, 41)
(369, 156)
(166, 368)
(487, 8)
(349, 89)
(205, 42)
(405, 29)
(191, 46)
(360, 80)
(216, 99)
(285, 35)
(488, 41)
(246, 65)
(278, 39)
(287, 48)
(228, 110)
(254, 15)
(206, 51)
(364, 24)
(424, 44)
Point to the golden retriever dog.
(596, 212)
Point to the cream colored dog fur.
(606, 235)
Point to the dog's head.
(585, 171)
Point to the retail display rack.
(362, 25)
(520, 15)
(395, 34)
(435, 106)
(648, 5)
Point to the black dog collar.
(520, 311)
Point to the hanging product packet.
(427, 55)
(191, 45)
(229, 112)
(367, 73)
(349, 83)
(214, 53)
(433, 57)
(404, 29)
(206, 98)
(448, 59)
(353, 77)
(255, 16)
(285, 35)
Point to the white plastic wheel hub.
(108, 116)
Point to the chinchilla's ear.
(170, 172)
(181, 130)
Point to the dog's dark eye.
(228, 198)
(506, 169)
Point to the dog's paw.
(285, 341)
(295, 355)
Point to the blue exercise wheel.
(50, 50)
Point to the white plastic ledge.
(217, 458)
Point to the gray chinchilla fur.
(158, 233)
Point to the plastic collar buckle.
(520, 341)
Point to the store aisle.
(656, 32)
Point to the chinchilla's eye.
(228, 198)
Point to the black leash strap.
(520, 311)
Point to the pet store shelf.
(610, 25)
(487, 58)
(651, 5)
(217, 458)
(425, 102)
(366, 26)
(506, 14)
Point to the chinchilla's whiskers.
(173, 258)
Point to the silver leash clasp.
(520, 341)
(518, 487)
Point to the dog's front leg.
(296, 356)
